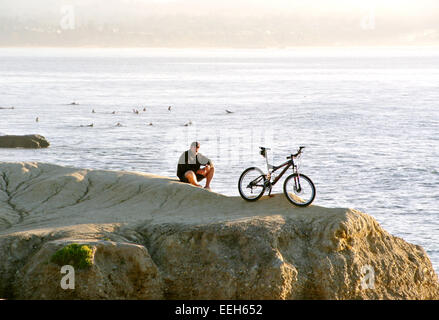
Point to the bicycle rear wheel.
(251, 184)
(299, 190)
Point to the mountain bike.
(298, 188)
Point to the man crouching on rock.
(189, 167)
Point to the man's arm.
(204, 160)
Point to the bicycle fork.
(297, 183)
(296, 179)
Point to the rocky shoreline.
(152, 237)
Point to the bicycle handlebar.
(297, 153)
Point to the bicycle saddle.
(263, 151)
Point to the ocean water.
(369, 119)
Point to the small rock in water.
(34, 141)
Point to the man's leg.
(209, 176)
(192, 178)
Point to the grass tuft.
(78, 256)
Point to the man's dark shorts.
(199, 178)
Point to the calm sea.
(369, 119)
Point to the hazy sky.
(223, 23)
(392, 7)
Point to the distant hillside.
(195, 23)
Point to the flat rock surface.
(156, 238)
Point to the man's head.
(195, 146)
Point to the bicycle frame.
(287, 164)
(268, 183)
(269, 179)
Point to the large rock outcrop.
(32, 141)
(155, 238)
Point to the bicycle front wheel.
(299, 190)
(251, 184)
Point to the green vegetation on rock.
(79, 256)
